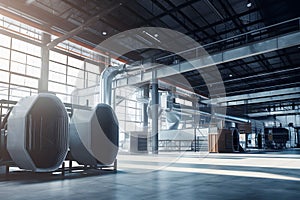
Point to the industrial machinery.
(297, 130)
(173, 113)
(225, 141)
(94, 136)
(37, 133)
(276, 138)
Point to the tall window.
(67, 73)
(71, 66)
(20, 64)
(129, 109)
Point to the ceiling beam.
(265, 46)
(47, 22)
(258, 97)
(227, 19)
(82, 27)
(277, 113)
(175, 18)
(168, 12)
(262, 100)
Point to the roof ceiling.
(206, 21)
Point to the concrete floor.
(272, 175)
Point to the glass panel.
(58, 57)
(14, 98)
(26, 47)
(4, 64)
(56, 67)
(20, 92)
(5, 41)
(92, 77)
(75, 72)
(70, 89)
(92, 68)
(5, 53)
(19, 57)
(91, 83)
(18, 67)
(57, 77)
(34, 61)
(80, 83)
(22, 80)
(3, 90)
(75, 62)
(3, 96)
(4, 76)
(57, 87)
(71, 80)
(33, 71)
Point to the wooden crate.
(221, 142)
(212, 143)
(244, 127)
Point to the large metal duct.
(173, 113)
(106, 79)
(94, 136)
(38, 133)
(95, 133)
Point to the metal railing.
(237, 40)
(183, 145)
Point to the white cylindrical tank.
(38, 133)
(94, 135)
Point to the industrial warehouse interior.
(149, 99)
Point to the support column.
(298, 137)
(43, 81)
(154, 105)
(145, 90)
(196, 122)
(145, 106)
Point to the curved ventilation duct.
(38, 133)
(173, 114)
(94, 136)
(106, 79)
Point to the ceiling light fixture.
(153, 37)
(249, 4)
(30, 1)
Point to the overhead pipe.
(231, 118)
(106, 79)
(173, 118)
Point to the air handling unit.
(38, 133)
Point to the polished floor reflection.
(272, 175)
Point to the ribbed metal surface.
(38, 133)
